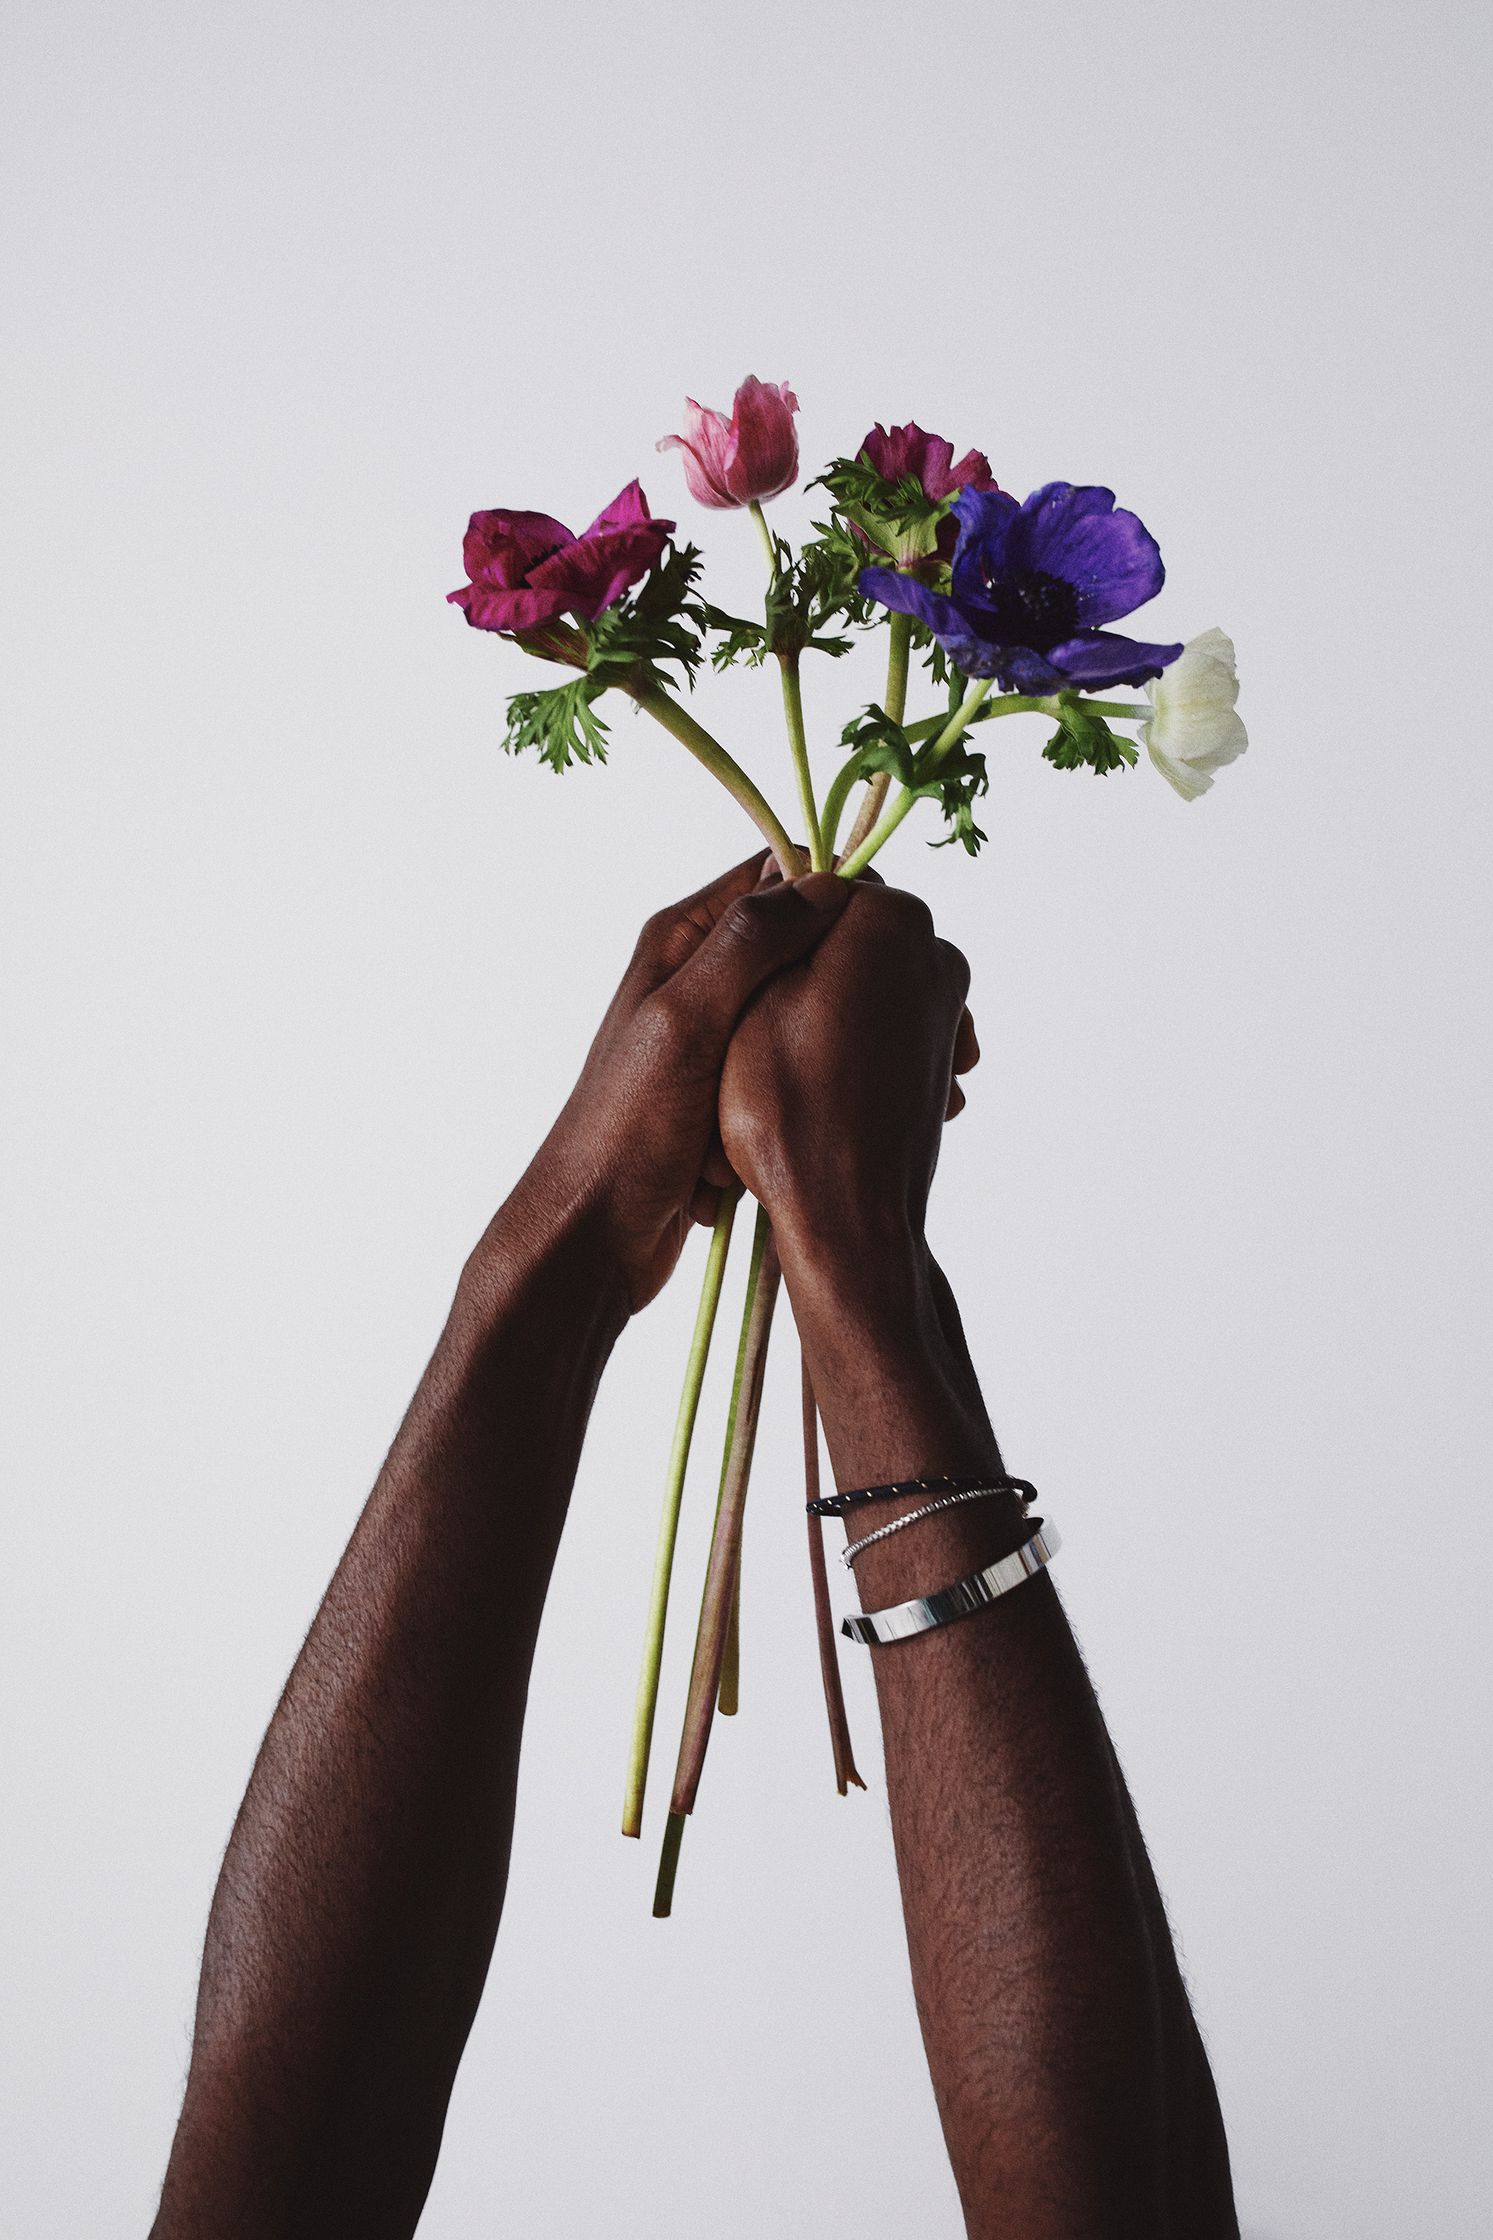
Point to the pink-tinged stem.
(894, 700)
(728, 1703)
(824, 1623)
(725, 1545)
(668, 1867)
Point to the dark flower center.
(1031, 608)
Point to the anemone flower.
(1029, 586)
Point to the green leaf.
(739, 641)
(1085, 741)
(805, 597)
(879, 744)
(865, 496)
(960, 781)
(561, 724)
(654, 627)
(957, 784)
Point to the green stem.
(793, 713)
(898, 657)
(926, 727)
(1128, 711)
(1035, 703)
(928, 764)
(834, 803)
(668, 1530)
(894, 700)
(682, 726)
(1004, 704)
(725, 1544)
(765, 533)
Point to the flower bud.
(743, 460)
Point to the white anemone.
(1194, 729)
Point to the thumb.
(755, 937)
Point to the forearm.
(1073, 2091)
(356, 1910)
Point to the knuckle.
(661, 1028)
(955, 966)
(907, 914)
(652, 936)
(741, 923)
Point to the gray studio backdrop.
(299, 968)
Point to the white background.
(299, 967)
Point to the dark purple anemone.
(894, 452)
(1030, 585)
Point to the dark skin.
(806, 1037)
(1075, 2094)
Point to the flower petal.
(500, 547)
(1077, 533)
(706, 444)
(594, 571)
(986, 520)
(627, 511)
(1098, 658)
(972, 472)
(904, 594)
(894, 452)
(514, 612)
(1193, 723)
(1023, 669)
(763, 458)
(1189, 782)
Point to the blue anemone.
(1031, 583)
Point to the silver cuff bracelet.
(925, 1611)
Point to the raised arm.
(1075, 2095)
(357, 1905)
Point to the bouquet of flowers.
(1004, 607)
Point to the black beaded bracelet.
(836, 1504)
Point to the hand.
(635, 1147)
(842, 1072)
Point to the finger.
(716, 1167)
(711, 899)
(756, 935)
(673, 934)
(957, 1101)
(705, 1205)
(955, 966)
(966, 1046)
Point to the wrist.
(551, 1240)
(866, 1273)
(896, 1392)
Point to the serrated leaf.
(739, 640)
(865, 496)
(655, 627)
(560, 724)
(880, 744)
(1084, 741)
